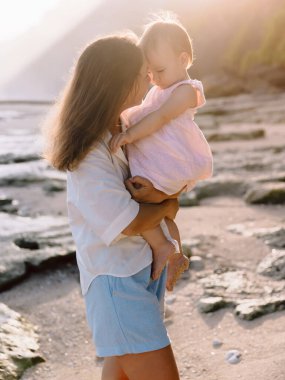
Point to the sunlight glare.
(17, 16)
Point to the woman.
(124, 306)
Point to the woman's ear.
(184, 59)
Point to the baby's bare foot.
(177, 264)
(160, 258)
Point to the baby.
(165, 145)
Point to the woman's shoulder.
(97, 154)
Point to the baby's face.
(165, 66)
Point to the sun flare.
(17, 16)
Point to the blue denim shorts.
(125, 314)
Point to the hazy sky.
(30, 27)
(17, 16)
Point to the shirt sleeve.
(102, 198)
(201, 101)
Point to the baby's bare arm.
(182, 98)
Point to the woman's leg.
(112, 370)
(177, 262)
(161, 248)
(152, 365)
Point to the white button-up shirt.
(99, 209)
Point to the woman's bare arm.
(150, 216)
(143, 191)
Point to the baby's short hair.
(166, 27)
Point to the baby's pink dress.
(175, 156)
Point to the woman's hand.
(143, 191)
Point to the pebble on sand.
(233, 356)
(217, 343)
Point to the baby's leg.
(162, 249)
(177, 263)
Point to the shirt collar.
(119, 154)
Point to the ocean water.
(21, 140)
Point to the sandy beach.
(226, 315)
(48, 295)
(52, 301)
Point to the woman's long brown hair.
(91, 103)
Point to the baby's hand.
(119, 140)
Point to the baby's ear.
(184, 59)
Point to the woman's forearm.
(150, 216)
(143, 191)
(158, 196)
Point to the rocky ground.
(228, 308)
